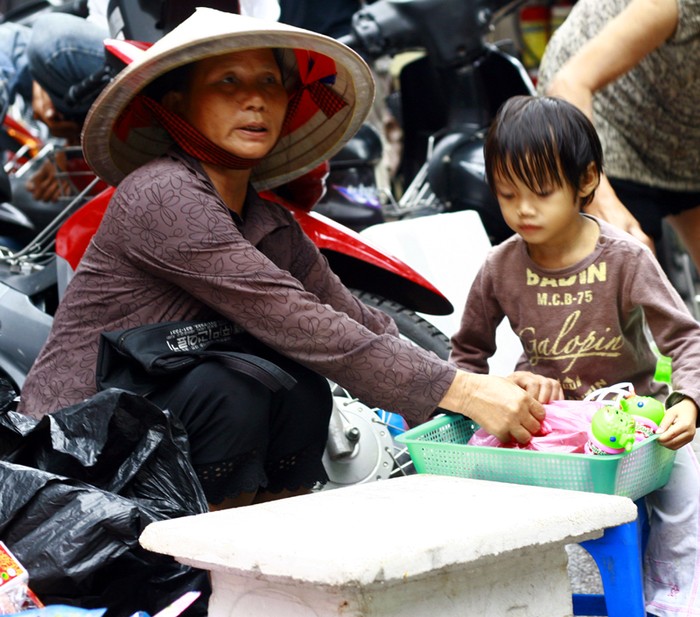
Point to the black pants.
(244, 437)
(651, 205)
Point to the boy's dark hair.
(540, 140)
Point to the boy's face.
(540, 217)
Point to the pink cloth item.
(565, 429)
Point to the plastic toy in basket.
(613, 431)
(646, 410)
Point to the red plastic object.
(74, 236)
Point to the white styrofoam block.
(448, 250)
(529, 583)
(391, 530)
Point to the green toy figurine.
(612, 431)
(647, 411)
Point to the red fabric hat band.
(191, 140)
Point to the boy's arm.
(677, 335)
(475, 341)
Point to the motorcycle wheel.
(375, 454)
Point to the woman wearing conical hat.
(219, 109)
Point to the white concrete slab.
(419, 544)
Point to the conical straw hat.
(331, 89)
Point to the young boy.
(584, 299)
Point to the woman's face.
(236, 100)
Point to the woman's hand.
(497, 404)
(607, 206)
(678, 426)
(542, 389)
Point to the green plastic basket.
(440, 447)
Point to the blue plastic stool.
(618, 555)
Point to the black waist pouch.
(143, 358)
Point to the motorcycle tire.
(411, 325)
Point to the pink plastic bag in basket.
(565, 429)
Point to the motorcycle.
(445, 100)
(447, 96)
(361, 447)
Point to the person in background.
(630, 65)
(581, 294)
(43, 61)
(15, 78)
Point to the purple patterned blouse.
(169, 249)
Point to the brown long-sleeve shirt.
(588, 325)
(169, 249)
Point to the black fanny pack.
(143, 358)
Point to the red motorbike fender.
(74, 235)
(358, 264)
(362, 266)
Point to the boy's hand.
(542, 389)
(678, 426)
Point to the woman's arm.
(642, 27)
(329, 289)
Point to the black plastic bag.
(78, 487)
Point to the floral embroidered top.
(648, 119)
(168, 249)
(586, 325)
